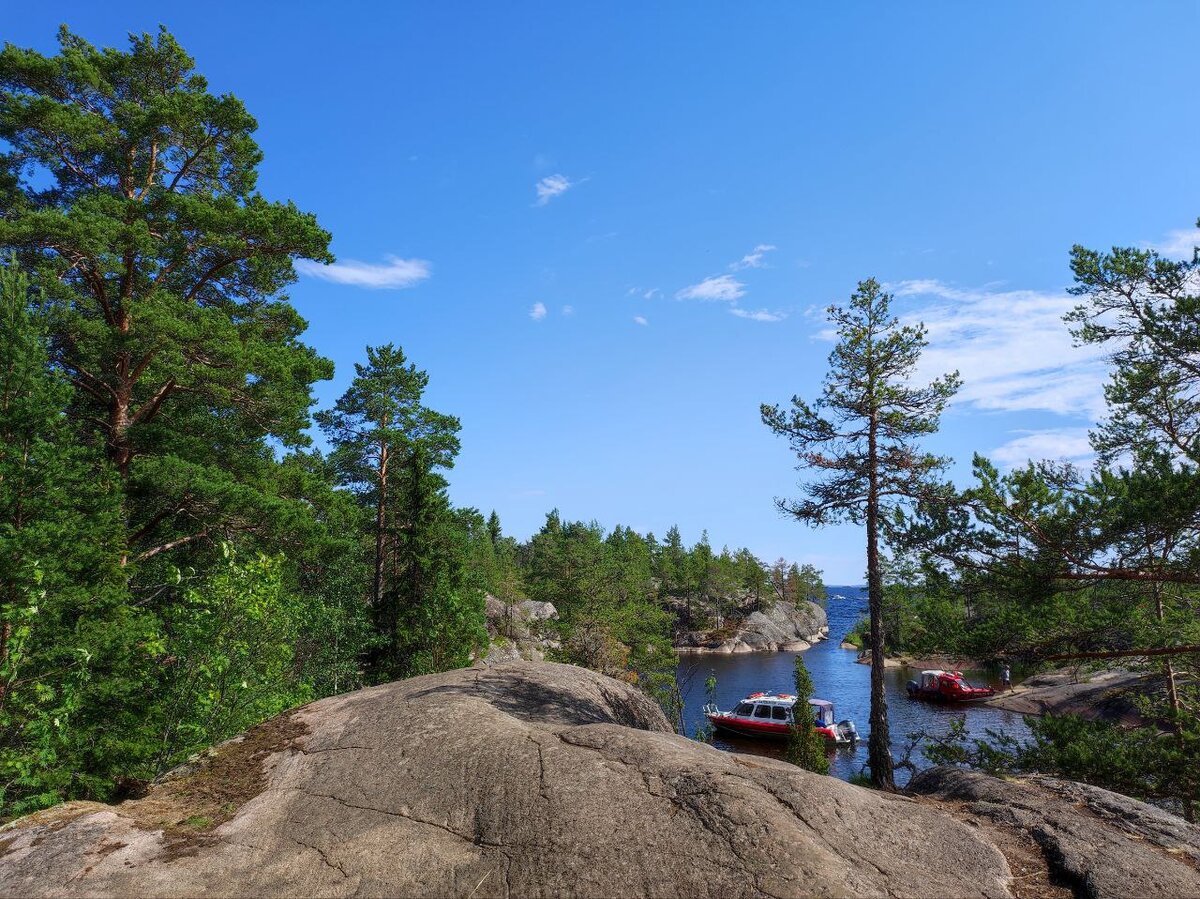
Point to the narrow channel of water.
(838, 677)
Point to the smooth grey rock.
(538, 611)
(519, 631)
(1103, 695)
(494, 607)
(1101, 843)
(513, 780)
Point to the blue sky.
(607, 231)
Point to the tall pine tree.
(129, 192)
(390, 449)
(858, 439)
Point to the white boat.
(769, 716)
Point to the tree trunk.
(120, 448)
(380, 523)
(120, 451)
(1189, 813)
(879, 750)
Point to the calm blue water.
(838, 677)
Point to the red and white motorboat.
(946, 686)
(769, 715)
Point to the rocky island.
(780, 627)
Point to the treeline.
(175, 563)
(623, 597)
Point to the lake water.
(838, 677)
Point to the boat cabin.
(769, 715)
(770, 709)
(946, 685)
(929, 679)
(779, 709)
(822, 712)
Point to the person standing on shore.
(1006, 677)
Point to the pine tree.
(389, 449)
(806, 747)
(858, 439)
(72, 670)
(673, 564)
(700, 571)
(130, 194)
(751, 574)
(810, 585)
(494, 530)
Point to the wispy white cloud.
(726, 288)
(760, 315)
(394, 274)
(568, 310)
(753, 259)
(537, 311)
(644, 293)
(1011, 347)
(1179, 244)
(1056, 445)
(552, 186)
(641, 320)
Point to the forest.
(187, 547)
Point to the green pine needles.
(858, 443)
(805, 747)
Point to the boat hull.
(766, 730)
(951, 698)
(763, 730)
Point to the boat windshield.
(745, 709)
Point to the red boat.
(767, 715)
(946, 686)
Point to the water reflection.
(838, 677)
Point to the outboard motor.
(912, 687)
(847, 730)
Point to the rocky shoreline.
(779, 628)
(1108, 695)
(1099, 696)
(525, 630)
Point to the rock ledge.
(526, 779)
